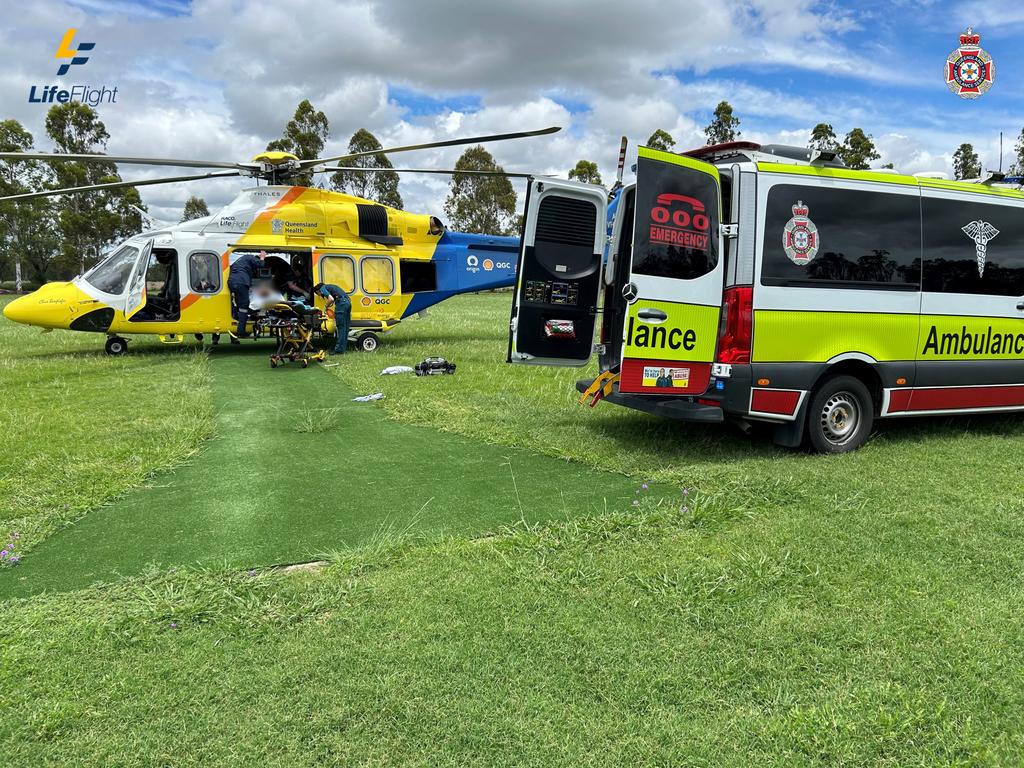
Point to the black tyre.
(840, 415)
(116, 346)
(368, 342)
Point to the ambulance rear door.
(554, 308)
(676, 277)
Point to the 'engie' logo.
(680, 220)
(65, 51)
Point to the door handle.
(652, 315)
(1020, 306)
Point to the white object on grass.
(368, 398)
(393, 369)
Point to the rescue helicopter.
(171, 280)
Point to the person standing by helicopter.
(342, 304)
(243, 270)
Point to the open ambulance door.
(676, 277)
(135, 297)
(554, 308)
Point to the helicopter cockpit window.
(111, 275)
(204, 272)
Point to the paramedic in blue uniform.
(342, 312)
(243, 270)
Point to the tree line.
(57, 237)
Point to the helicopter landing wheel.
(305, 363)
(273, 362)
(368, 342)
(115, 346)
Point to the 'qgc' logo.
(65, 51)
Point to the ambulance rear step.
(679, 408)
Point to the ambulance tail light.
(737, 325)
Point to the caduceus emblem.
(980, 232)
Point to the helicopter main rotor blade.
(58, 156)
(442, 171)
(119, 184)
(432, 145)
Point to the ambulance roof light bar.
(990, 178)
(822, 156)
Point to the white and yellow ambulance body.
(772, 284)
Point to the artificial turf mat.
(263, 493)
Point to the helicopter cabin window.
(111, 275)
(339, 271)
(377, 274)
(162, 294)
(204, 272)
(418, 275)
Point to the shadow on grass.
(678, 441)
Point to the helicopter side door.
(554, 308)
(135, 297)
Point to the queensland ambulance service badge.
(970, 71)
(800, 237)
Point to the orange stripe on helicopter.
(286, 198)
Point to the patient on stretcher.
(264, 295)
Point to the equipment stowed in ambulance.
(771, 283)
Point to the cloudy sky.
(217, 79)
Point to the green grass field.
(790, 610)
(80, 428)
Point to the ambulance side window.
(825, 237)
(204, 272)
(973, 247)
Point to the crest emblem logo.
(980, 232)
(970, 70)
(276, 227)
(800, 237)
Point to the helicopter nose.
(19, 310)
(54, 305)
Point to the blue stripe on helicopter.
(467, 263)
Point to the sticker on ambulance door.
(655, 376)
(800, 236)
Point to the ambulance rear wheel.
(116, 346)
(368, 342)
(840, 415)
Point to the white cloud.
(223, 79)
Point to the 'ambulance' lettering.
(660, 337)
(968, 343)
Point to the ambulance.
(766, 283)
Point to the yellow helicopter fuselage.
(174, 281)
